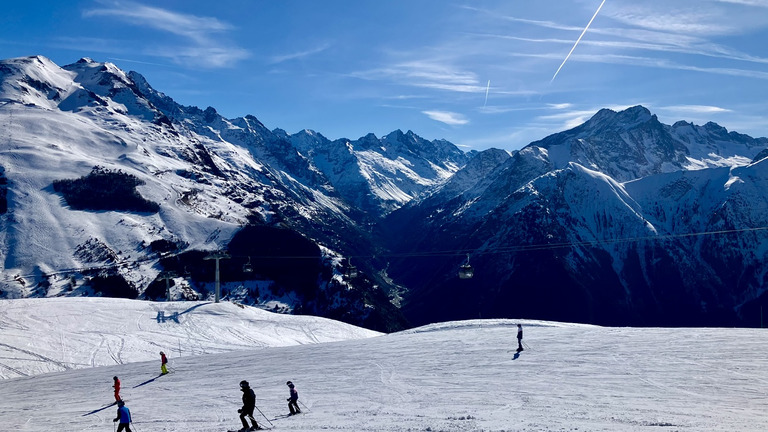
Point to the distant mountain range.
(622, 220)
(109, 187)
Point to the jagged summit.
(633, 143)
(628, 118)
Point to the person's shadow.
(148, 381)
(100, 409)
(517, 353)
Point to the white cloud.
(696, 109)
(204, 48)
(428, 74)
(299, 54)
(447, 117)
(757, 3)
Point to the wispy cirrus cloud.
(695, 109)
(447, 117)
(756, 3)
(299, 54)
(202, 45)
(643, 40)
(669, 64)
(428, 74)
(653, 62)
(560, 106)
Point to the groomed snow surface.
(59, 356)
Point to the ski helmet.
(243, 384)
(120, 403)
(114, 378)
(289, 384)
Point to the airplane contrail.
(488, 87)
(578, 40)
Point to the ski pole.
(526, 346)
(302, 404)
(262, 414)
(134, 428)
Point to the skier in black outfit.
(293, 405)
(519, 338)
(249, 403)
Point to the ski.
(282, 416)
(248, 430)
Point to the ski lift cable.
(416, 254)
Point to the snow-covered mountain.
(101, 175)
(452, 376)
(622, 220)
(109, 187)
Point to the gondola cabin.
(248, 267)
(466, 271)
(352, 272)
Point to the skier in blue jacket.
(124, 415)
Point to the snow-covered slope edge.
(48, 335)
(459, 376)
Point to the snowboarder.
(163, 363)
(124, 415)
(116, 385)
(519, 338)
(293, 406)
(249, 403)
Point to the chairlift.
(247, 267)
(466, 271)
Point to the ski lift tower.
(167, 275)
(218, 255)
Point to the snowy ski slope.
(47, 335)
(457, 376)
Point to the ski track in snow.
(458, 376)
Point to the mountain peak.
(626, 119)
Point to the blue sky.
(479, 73)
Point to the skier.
(163, 363)
(519, 338)
(293, 406)
(124, 415)
(249, 403)
(116, 385)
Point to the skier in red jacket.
(163, 363)
(116, 385)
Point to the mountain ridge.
(545, 222)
